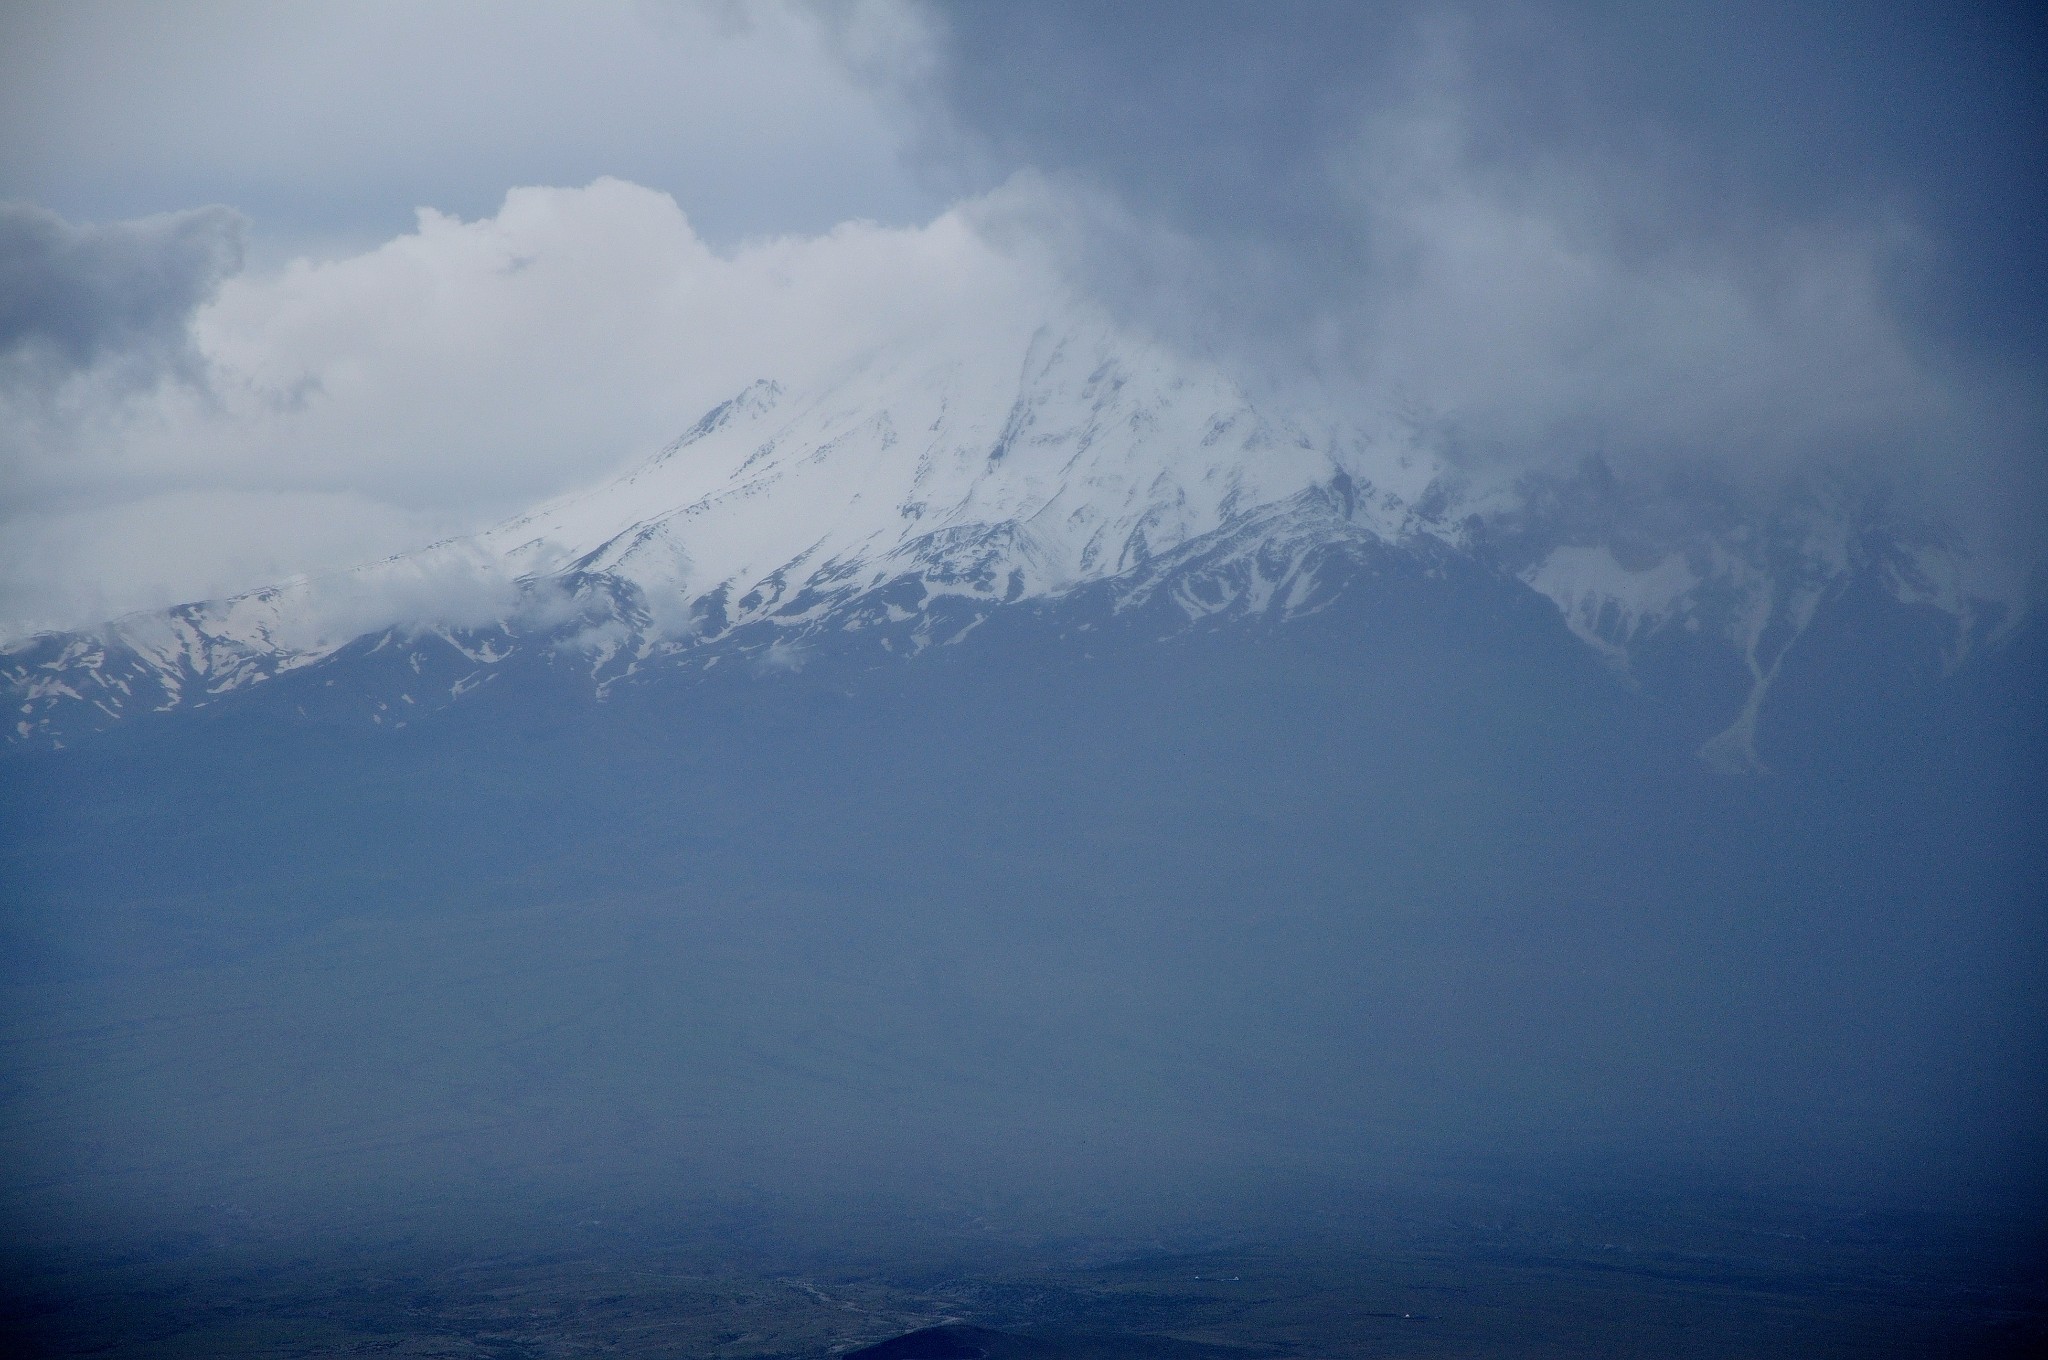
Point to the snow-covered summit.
(1004, 469)
(981, 467)
(1084, 452)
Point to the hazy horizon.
(765, 678)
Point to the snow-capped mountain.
(929, 485)
(1750, 586)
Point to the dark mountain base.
(1093, 926)
(1486, 1277)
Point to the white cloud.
(451, 584)
(62, 568)
(354, 407)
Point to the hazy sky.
(282, 287)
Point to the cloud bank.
(1745, 248)
(1725, 252)
(335, 410)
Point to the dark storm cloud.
(1222, 117)
(1758, 239)
(72, 296)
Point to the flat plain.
(1506, 1280)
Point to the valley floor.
(1474, 1289)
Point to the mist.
(1544, 234)
(1193, 936)
(1022, 680)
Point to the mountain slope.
(934, 482)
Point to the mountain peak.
(1019, 467)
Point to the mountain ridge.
(934, 482)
